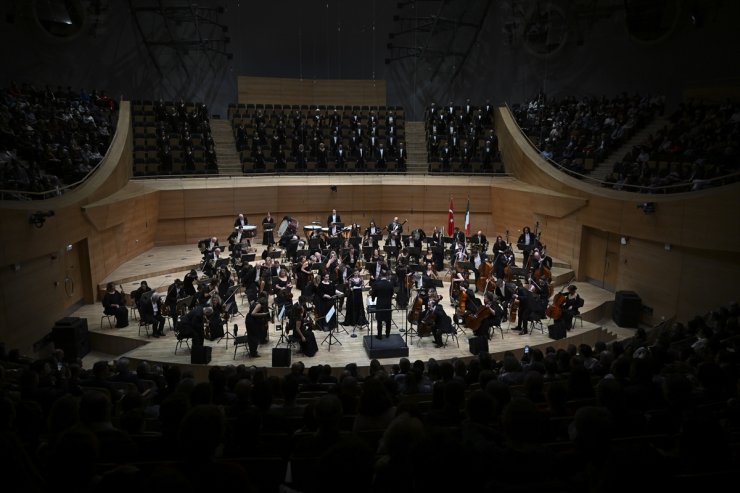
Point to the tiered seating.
(690, 153)
(172, 138)
(461, 139)
(51, 138)
(577, 133)
(302, 138)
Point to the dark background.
(440, 51)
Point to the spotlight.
(333, 188)
(39, 218)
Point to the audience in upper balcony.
(50, 138)
(572, 130)
(700, 143)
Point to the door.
(600, 258)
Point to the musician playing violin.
(395, 229)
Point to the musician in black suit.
(395, 229)
(382, 291)
(192, 324)
(401, 157)
(151, 312)
(381, 155)
(480, 239)
(240, 222)
(526, 242)
(436, 314)
(333, 218)
(114, 303)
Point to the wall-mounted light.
(69, 247)
(667, 247)
(624, 240)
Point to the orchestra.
(331, 266)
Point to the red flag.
(451, 219)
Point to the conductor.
(382, 290)
(333, 218)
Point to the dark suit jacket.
(146, 310)
(383, 290)
(329, 219)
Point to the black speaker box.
(627, 308)
(478, 344)
(200, 355)
(281, 357)
(71, 336)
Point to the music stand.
(330, 337)
(248, 257)
(367, 251)
(466, 265)
(355, 241)
(275, 254)
(376, 238)
(392, 251)
(414, 251)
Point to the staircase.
(416, 146)
(604, 169)
(223, 137)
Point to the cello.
(484, 274)
(416, 309)
(426, 325)
(555, 309)
(474, 320)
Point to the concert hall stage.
(160, 266)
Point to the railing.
(675, 188)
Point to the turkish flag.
(451, 219)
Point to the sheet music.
(330, 314)
(282, 313)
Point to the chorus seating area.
(319, 138)
(172, 138)
(462, 139)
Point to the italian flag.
(467, 219)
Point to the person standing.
(355, 314)
(526, 243)
(256, 324)
(115, 304)
(382, 290)
(327, 294)
(333, 218)
(268, 224)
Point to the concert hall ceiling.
(429, 50)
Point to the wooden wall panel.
(311, 92)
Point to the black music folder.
(414, 251)
(367, 251)
(355, 240)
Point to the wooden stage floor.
(160, 266)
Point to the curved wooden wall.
(111, 219)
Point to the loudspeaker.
(71, 336)
(478, 344)
(627, 308)
(200, 355)
(281, 357)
